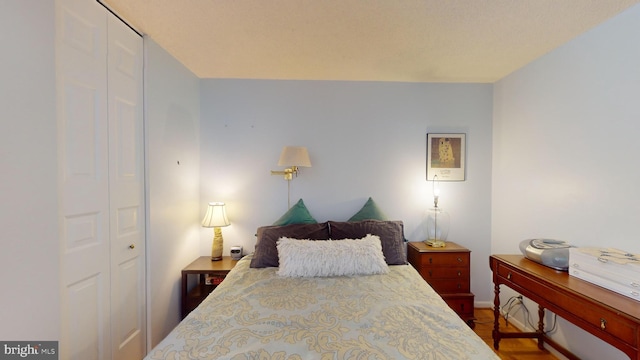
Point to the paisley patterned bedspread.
(256, 314)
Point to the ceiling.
(362, 40)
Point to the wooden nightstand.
(211, 273)
(448, 271)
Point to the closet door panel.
(87, 318)
(126, 195)
(81, 39)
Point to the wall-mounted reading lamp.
(292, 157)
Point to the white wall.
(173, 175)
(364, 139)
(28, 159)
(565, 147)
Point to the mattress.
(257, 314)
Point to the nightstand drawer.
(448, 286)
(429, 273)
(444, 259)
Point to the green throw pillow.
(298, 214)
(370, 211)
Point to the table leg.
(183, 301)
(540, 327)
(496, 316)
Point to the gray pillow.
(391, 235)
(266, 254)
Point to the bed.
(310, 306)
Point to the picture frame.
(446, 156)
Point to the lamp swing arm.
(288, 172)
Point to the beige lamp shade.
(294, 156)
(216, 217)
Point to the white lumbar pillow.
(311, 258)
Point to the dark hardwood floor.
(510, 349)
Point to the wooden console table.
(609, 316)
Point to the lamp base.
(436, 243)
(437, 227)
(216, 246)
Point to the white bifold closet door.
(126, 191)
(101, 184)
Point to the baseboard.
(483, 304)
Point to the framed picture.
(446, 157)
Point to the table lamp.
(437, 220)
(216, 217)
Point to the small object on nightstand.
(447, 270)
(236, 252)
(210, 275)
(213, 280)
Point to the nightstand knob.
(459, 273)
(509, 276)
(603, 324)
(459, 259)
(132, 246)
(430, 260)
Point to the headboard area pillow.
(266, 253)
(391, 235)
(369, 211)
(348, 257)
(297, 214)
